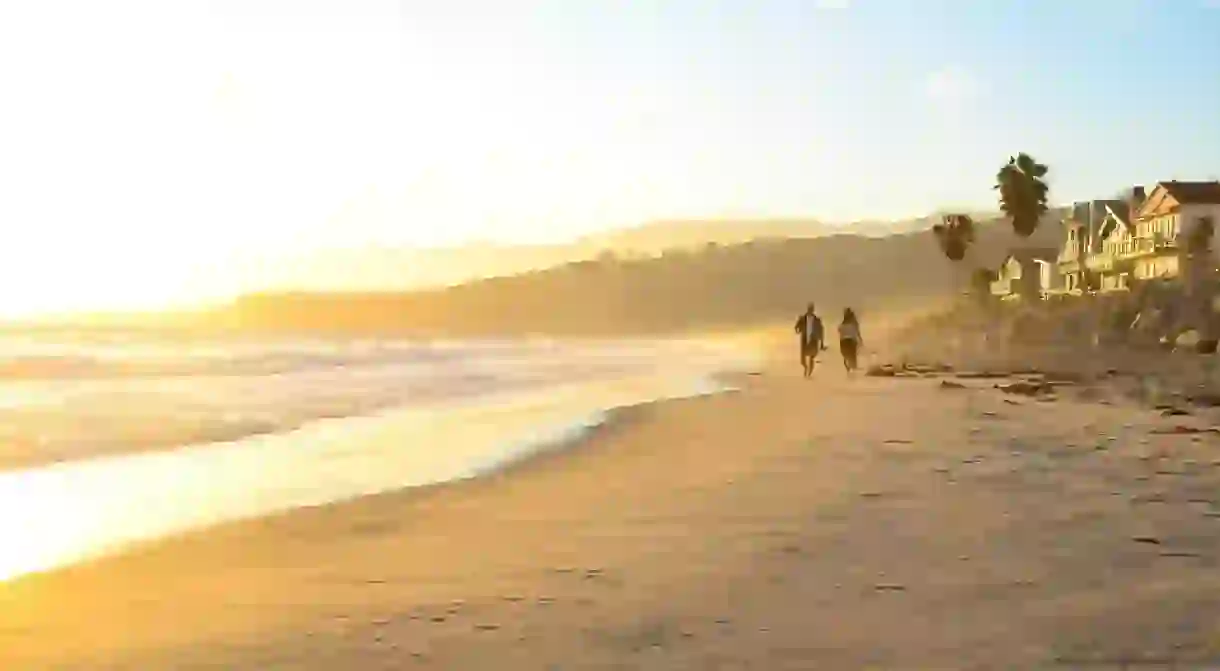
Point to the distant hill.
(709, 286)
(380, 268)
(660, 235)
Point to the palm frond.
(1023, 192)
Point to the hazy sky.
(145, 146)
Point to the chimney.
(1137, 198)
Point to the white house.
(1171, 211)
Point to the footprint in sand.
(889, 587)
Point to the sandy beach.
(479, 336)
(827, 524)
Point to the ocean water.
(106, 440)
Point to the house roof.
(1088, 215)
(1193, 193)
(1122, 214)
(1168, 195)
(1121, 210)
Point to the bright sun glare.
(144, 182)
(42, 527)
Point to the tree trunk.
(1195, 304)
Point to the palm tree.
(1023, 193)
(954, 234)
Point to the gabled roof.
(1088, 215)
(1115, 212)
(1174, 194)
(1194, 193)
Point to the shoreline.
(142, 403)
(521, 426)
(797, 524)
(63, 581)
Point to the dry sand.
(826, 524)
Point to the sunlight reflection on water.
(69, 512)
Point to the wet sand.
(823, 524)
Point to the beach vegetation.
(954, 234)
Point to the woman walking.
(849, 339)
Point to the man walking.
(809, 326)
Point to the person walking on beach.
(849, 339)
(809, 326)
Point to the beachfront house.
(1021, 275)
(1050, 281)
(1171, 211)
(1110, 261)
(1081, 239)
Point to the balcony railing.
(1100, 262)
(1139, 246)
